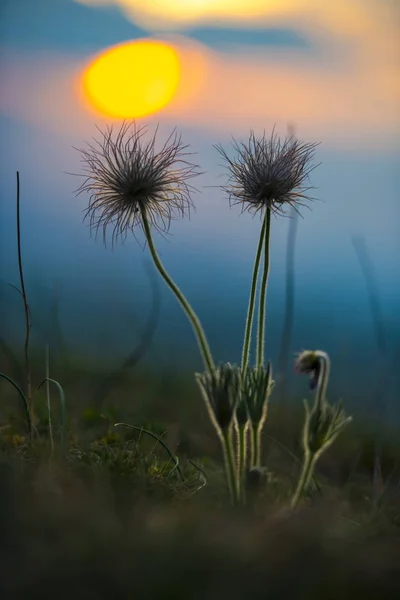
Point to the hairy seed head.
(127, 180)
(269, 172)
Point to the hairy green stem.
(250, 310)
(241, 432)
(263, 292)
(252, 447)
(255, 444)
(305, 477)
(193, 318)
(230, 464)
(323, 377)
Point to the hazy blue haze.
(104, 294)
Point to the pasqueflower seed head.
(269, 172)
(127, 178)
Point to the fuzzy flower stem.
(250, 310)
(305, 478)
(323, 377)
(323, 422)
(230, 464)
(242, 456)
(263, 292)
(255, 445)
(193, 318)
(252, 447)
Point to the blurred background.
(329, 70)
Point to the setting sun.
(132, 80)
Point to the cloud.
(363, 31)
(371, 23)
(346, 92)
(350, 16)
(350, 102)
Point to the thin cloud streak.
(348, 17)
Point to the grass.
(111, 517)
(108, 520)
(170, 406)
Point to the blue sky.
(333, 75)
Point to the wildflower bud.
(323, 422)
(257, 388)
(308, 362)
(317, 364)
(221, 392)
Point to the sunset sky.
(330, 69)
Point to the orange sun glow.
(132, 80)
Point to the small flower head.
(269, 172)
(257, 388)
(308, 362)
(128, 180)
(221, 392)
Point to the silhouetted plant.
(266, 176)
(257, 389)
(323, 422)
(27, 397)
(131, 186)
(221, 393)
